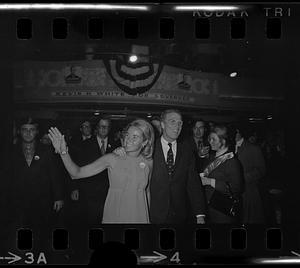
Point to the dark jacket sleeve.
(195, 189)
(235, 178)
(258, 169)
(56, 178)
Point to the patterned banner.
(133, 78)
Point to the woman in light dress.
(128, 197)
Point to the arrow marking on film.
(12, 259)
(157, 258)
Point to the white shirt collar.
(105, 141)
(164, 141)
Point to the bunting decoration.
(134, 78)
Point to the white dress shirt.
(165, 147)
(105, 142)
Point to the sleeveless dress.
(126, 201)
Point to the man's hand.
(120, 151)
(75, 195)
(58, 205)
(200, 220)
(204, 151)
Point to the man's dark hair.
(85, 120)
(27, 120)
(194, 121)
(244, 129)
(157, 118)
(106, 118)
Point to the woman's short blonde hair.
(148, 134)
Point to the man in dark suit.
(93, 190)
(38, 190)
(75, 148)
(85, 133)
(199, 144)
(175, 186)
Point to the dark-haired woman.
(223, 176)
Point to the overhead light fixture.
(253, 119)
(269, 117)
(233, 74)
(74, 6)
(140, 53)
(133, 58)
(205, 8)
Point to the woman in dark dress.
(223, 174)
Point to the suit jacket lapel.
(178, 155)
(37, 155)
(20, 157)
(97, 146)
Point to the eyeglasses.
(104, 127)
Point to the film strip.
(32, 31)
(173, 245)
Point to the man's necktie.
(170, 159)
(102, 148)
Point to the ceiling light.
(233, 74)
(133, 58)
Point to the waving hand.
(57, 139)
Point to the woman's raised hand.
(57, 139)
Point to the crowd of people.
(147, 172)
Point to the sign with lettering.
(91, 81)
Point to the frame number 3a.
(30, 258)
